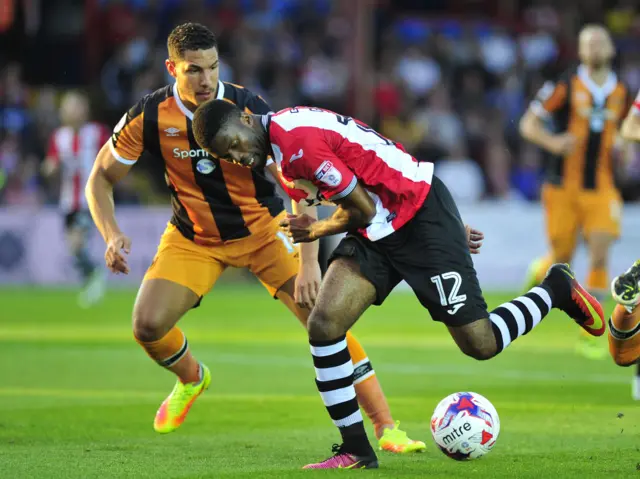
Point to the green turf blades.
(81, 402)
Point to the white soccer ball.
(465, 426)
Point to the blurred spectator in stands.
(443, 126)
(403, 127)
(418, 70)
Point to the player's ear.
(171, 67)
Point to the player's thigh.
(367, 261)
(345, 294)
(159, 306)
(435, 261)
(274, 259)
(179, 276)
(562, 221)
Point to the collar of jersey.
(275, 151)
(266, 121)
(188, 113)
(599, 93)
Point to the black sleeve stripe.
(150, 133)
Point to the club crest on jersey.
(329, 174)
(205, 166)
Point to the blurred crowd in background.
(449, 79)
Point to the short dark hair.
(190, 36)
(209, 118)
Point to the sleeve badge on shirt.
(329, 174)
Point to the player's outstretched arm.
(630, 129)
(106, 172)
(354, 211)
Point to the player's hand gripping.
(114, 258)
(298, 228)
(474, 239)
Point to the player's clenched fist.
(298, 228)
(114, 258)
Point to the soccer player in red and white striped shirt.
(71, 152)
(403, 225)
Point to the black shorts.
(80, 219)
(431, 254)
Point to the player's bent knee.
(150, 324)
(321, 327)
(476, 339)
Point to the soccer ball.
(465, 426)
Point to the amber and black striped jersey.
(592, 114)
(213, 201)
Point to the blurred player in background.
(223, 215)
(72, 150)
(584, 109)
(624, 324)
(403, 224)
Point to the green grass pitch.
(78, 396)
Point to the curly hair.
(209, 118)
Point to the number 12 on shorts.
(455, 300)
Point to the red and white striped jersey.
(325, 155)
(636, 105)
(75, 151)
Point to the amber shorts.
(570, 213)
(269, 255)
